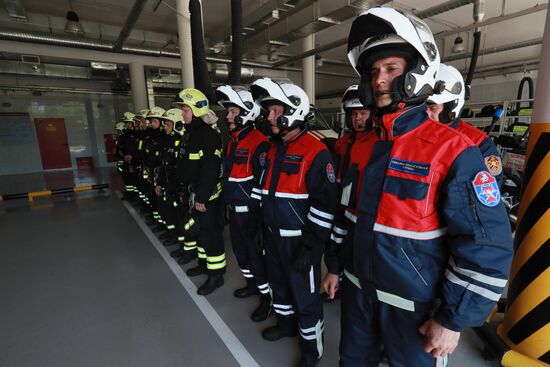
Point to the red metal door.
(52, 139)
(110, 146)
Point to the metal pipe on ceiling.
(493, 20)
(442, 8)
(129, 24)
(436, 10)
(492, 50)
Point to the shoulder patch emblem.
(330, 173)
(486, 189)
(494, 164)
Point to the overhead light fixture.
(271, 17)
(458, 46)
(73, 25)
(319, 62)
(102, 65)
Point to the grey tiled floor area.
(81, 285)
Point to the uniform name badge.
(486, 189)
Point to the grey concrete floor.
(81, 285)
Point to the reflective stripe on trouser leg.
(189, 245)
(201, 253)
(361, 338)
(215, 262)
(246, 273)
(264, 288)
(303, 289)
(315, 334)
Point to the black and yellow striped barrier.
(34, 194)
(523, 338)
(526, 325)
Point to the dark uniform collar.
(279, 140)
(195, 124)
(240, 134)
(392, 125)
(455, 122)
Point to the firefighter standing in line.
(167, 184)
(152, 161)
(121, 139)
(143, 132)
(241, 167)
(198, 170)
(432, 245)
(124, 149)
(298, 197)
(446, 108)
(351, 155)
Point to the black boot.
(165, 236)
(158, 228)
(213, 282)
(263, 311)
(187, 256)
(197, 270)
(249, 290)
(177, 253)
(276, 332)
(170, 242)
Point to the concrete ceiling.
(103, 19)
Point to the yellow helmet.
(142, 113)
(156, 112)
(176, 116)
(128, 117)
(195, 99)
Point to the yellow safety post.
(526, 325)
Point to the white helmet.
(384, 32)
(239, 96)
(350, 99)
(284, 92)
(453, 94)
(176, 116)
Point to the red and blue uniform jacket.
(241, 165)
(350, 190)
(485, 144)
(342, 153)
(430, 223)
(297, 189)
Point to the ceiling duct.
(430, 12)
(129, 24)
(492, 50)
(442, 8)
(320, 15)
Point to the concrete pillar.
(184, 34)
(139, 88)
(308, 68)
(525, 327)
(150, 91)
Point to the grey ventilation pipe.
(129, 24)
(479, 13)
(200, 69)
(236, 41)
(442, 8)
